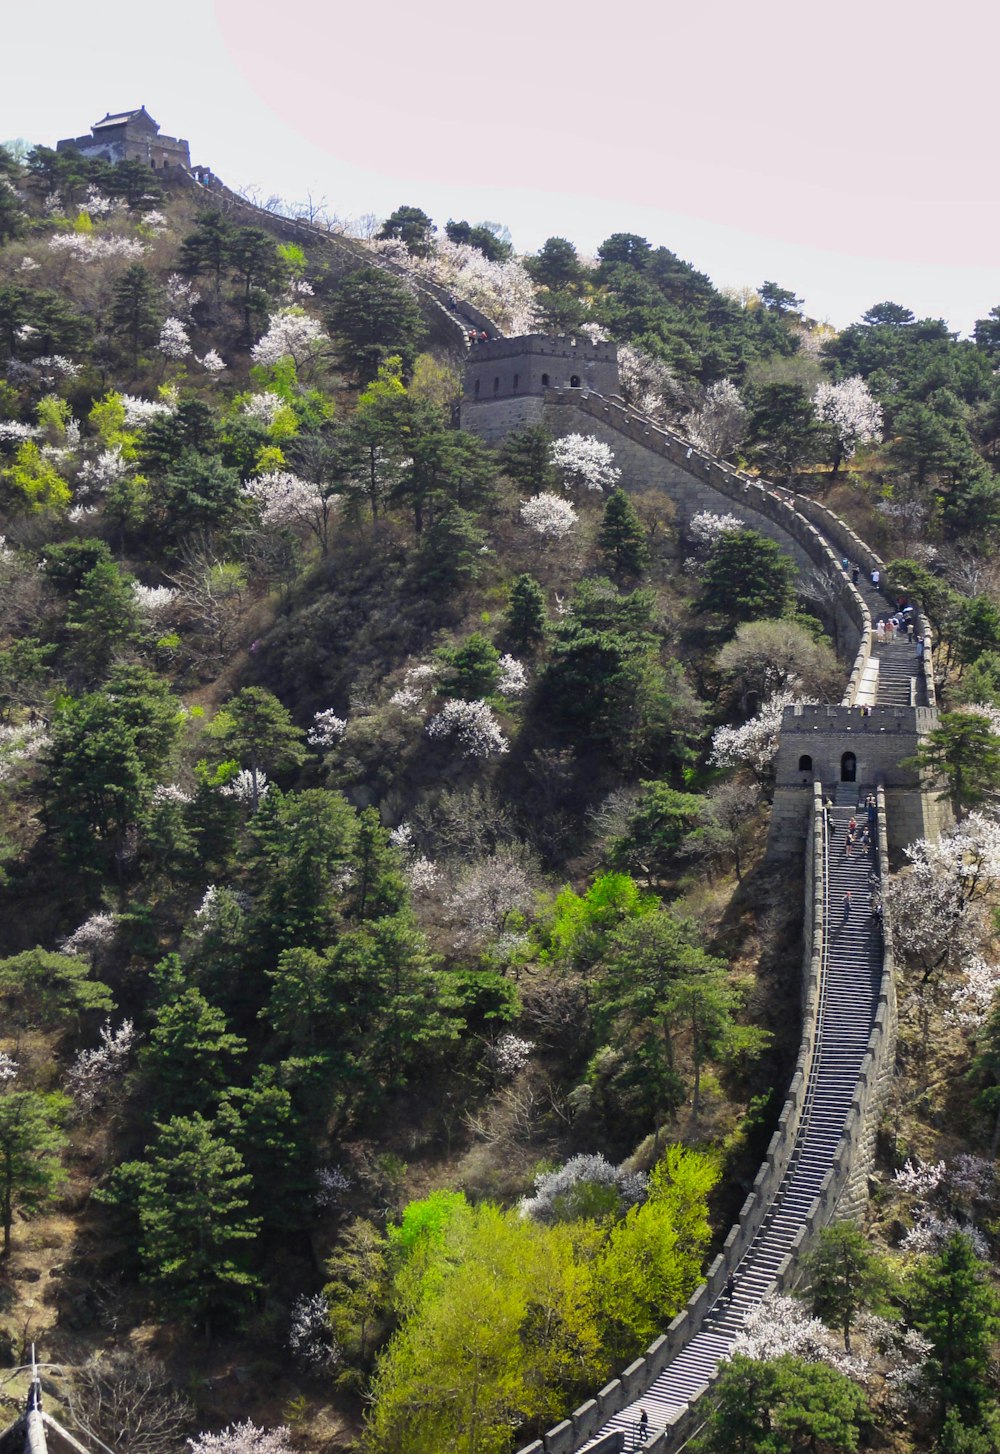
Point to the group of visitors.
(893, 628)
(475, 336)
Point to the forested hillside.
(396, 1002)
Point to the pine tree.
(845, 1276)
(955, 1306)
(526, 458)
(31, 1143)
(136, 312)
(621, 537)
(257, 730)
(188, 1058)
(190, 1198)
(526, 615)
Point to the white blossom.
(174, 342)
(301, 288)
(852, 412)
(474, 727)
(707, 529)
(20, 744)
(936, 904)
(557, 1192)
(585, 462)
(310, 1340)
(170, 793)
(213, 362)
(402, 838)
(647, 384)
(416, 681)
(264, 408)
(55, 364)
(755, 742)
(28, 265)
(245, 1438)
(154, 220)
(290, 334)
(331, 1184)
(971, 1178)
(548, 515)
(919, 1179)
(8, 1068)
(285, 499)
(76, 513)
(182, 296)
(327, 729)
(931, 1232)
(94, 933)
(93, 1072)
(13, 432)
(509, 1053)
(513, 678)
(421, 874)
(155, 601)
(140, 412)
(241, 786)
(779, 1325)
(108, 468)
(720, 425)
(488, 894)
(95, 203)
(94, 247)
(504, 291)
(974, 997)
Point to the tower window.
(805, 763)
(477, 389)
(545, 381)
(574, 381)
(496, 386)
(516, 377)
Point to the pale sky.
(845, 151)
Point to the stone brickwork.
(131, 136)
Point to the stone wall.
(509, 368)
(584, 1422)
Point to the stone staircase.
(851, 972)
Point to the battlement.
(506, 379)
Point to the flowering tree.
(473, 726)
(548, 515)
(755, 743)
(580, 1187)
(585, 462)
(513, 678)
(327, 729)
(174, 342)
(509, 1053)
(310, 1339)
(707, 529)
(489, 894)
(291, 333)
(720, 425)
(95, 1072)
(853, 414)
(285, 500)
(245, 1438)
(95, 933)
(647, 384)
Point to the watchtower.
(130, 136)
(506, 379)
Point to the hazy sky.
(847, 152)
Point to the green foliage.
(526, 614)
(33, 483)
(782, 1406)
(189, 1054)
(747, 578)
(412, 227)
(657, 826)
(358, 1290)
(189, 1198)
(844, 1276)
(473, 668)
(964, 753)
(956, 1307)
(102, 617)
(451, 551)
(526, 458)
(256, 729)
(137, 311)
(621, 538)
(31, 1144)
(42, 990)
(373, 317)
(482, 237)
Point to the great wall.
(819, 1159)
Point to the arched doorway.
(848, 768)
(805, 763)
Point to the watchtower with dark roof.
(130, 136)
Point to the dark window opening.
(848, 768)
(574, 381)
(516, 377)
(496, 386)
(477, 389)
(545, 381)
(805, 763)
